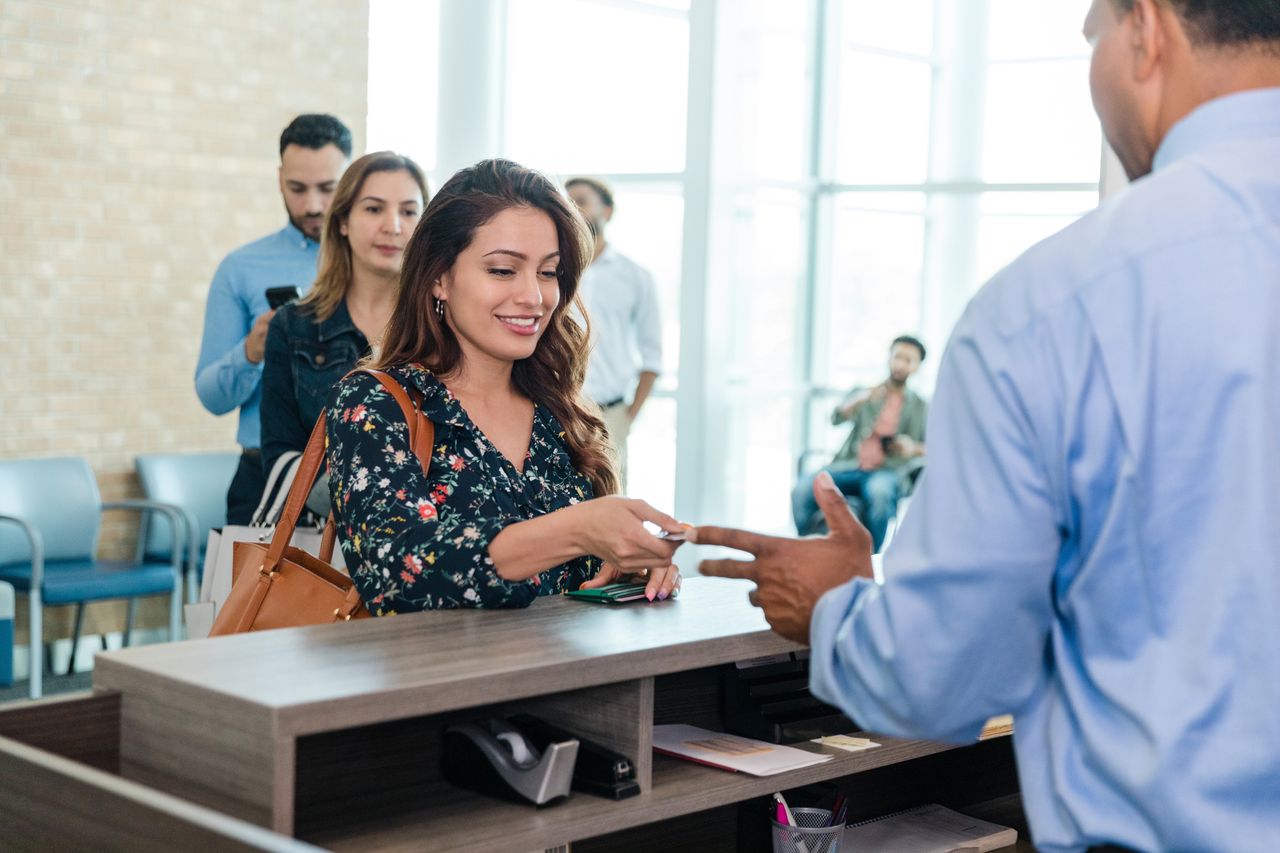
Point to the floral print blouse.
(414, 542)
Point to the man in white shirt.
(626, 327)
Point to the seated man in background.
(885, 444)
(314, 150)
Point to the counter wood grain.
(327, 677)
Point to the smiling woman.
(517, 501)
(313, 343)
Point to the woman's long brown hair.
(553, 375)
(333, 272)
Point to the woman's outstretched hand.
(612, 528)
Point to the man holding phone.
(314, 152)
(885, 444)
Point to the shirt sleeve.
(225, 378)
(648, 320)
(411, 542)
(959, 630)
(282, 426)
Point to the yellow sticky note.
(846, 742)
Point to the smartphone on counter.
(614, 593)
(283, 295)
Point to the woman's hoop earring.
(440, 308)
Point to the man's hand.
(872, 395)
(792, 574)
(255, 345)
(905, 447)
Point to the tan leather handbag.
(278, 586)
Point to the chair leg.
(130, 613)
(175, 606)
(75, 638)
(193, 564)
(35, 644)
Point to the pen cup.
(810, 834)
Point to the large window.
(865, 167)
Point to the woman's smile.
(521, 324)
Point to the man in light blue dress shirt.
(1095, 546)
(314, 151)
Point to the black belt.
(251, 452)
(612, 403)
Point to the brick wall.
(137, 146)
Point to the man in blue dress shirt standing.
(1095, 546)
(314, 152)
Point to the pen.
(838, 810)
(786, 818)
(783, 811)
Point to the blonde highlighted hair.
(333, 272)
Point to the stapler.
(495, 757)
(599, 770)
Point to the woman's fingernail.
(691, 535)
(827, 482)
(648, 593)
(662, 596)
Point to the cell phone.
(666, 534)
(282, 295)
(614, 593)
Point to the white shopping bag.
(216, 583)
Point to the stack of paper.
(730, 752)
(997, 726)
(927, 829)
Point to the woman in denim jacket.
(313, 343)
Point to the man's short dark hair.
(1227, 23)
(601, 188)
(316, 130)
(907, 339)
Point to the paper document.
(927, 829)
(731, 752)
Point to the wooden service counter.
(331, 735)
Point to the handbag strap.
(421, 439)
(422, 432)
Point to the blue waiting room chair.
(195, 483)
(50, 514)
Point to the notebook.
(731, 752)
(927, 829)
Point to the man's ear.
(608, 213)
(1149, 37)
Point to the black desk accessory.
(494, 757)
(769, 699)
(598, 771)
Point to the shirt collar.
(438, 404)
(295, 236)
(1254, 114)
(337, 323)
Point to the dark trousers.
(246, 487)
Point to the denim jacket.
(304, 359)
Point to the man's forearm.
(643, 388)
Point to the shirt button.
(320, 359)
